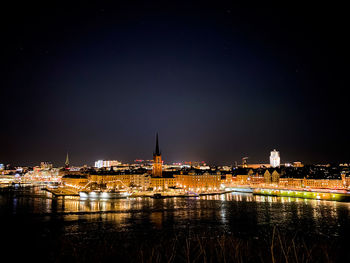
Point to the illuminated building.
(163, 183)
(77, 180)
(297, 164)
(197, 181)
(256, 180)
(271, 178)
(46, 165)
(312, 183)
(242, 179)
(267, 177)
(1, 166)
(141, 181)
(159, 180)
(258, 165)
(291, 182)
(275, 177)
(40, 174)
(120, 180)
(107, 164)
(227, 180)
(275, 159)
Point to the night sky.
(217, 81)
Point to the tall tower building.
(157, 161)
(275, 159)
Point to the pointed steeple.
(67, 161)
(157, 152)
(157, 161)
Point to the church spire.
(157, 152)
(157, 161)
(67, 161)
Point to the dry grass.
(199, 247)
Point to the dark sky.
(217, 81)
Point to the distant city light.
(109, 163)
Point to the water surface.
(36, 222)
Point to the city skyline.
(105, 161)
(244, 158)
(174, 131)
(218, 82)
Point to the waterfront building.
(111, 180)
(119, 181)
(242, 179)
(271, 177)
(75, 180)
(275, 159)
(290, 182)
(244, 176)
(256, 179)
(314, 183)
(267, 177)
(163, 183)
(198, 181)
(275, 177)
(323, 183)
(227, 180)
(140, 181)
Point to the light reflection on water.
(233, 212)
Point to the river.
(35, 223)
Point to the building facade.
(198, 182)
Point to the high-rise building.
(275, 159)
(107, 164)
(157, 161)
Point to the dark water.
(35, 224)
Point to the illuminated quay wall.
(192, 181)
(331, 196)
